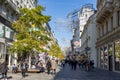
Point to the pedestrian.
(63, 63)
(4, 69)
(74, 62)
(54, 66)
(14, 68)
(24, 67)
(48, 66)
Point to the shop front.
(117, 55)
(109, 56)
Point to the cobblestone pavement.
(68, 74)
(81, 74)
(34, 76)
(30, 76)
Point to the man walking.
(23, 68)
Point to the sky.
(58, 10)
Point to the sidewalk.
(68, 74)
(30, 76)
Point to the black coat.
(48, 65)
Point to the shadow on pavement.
(9, 77)
(80, 74)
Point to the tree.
(30, 35)
(56, 51)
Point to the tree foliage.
(56, 51)
(30, 33)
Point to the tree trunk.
(29, 61)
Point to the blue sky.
(58, 10)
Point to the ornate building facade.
(108, 40)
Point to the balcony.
(12, 5)
(104, 10)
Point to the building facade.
(9, 13)
(89, 38)
(25, 3)
(83, 15)
(108, 40)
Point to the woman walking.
(54, 66)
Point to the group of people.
(40, 66)
(81, 62)
(23, 66)
(51, 66)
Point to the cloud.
(61, 24)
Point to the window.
(86, 15)
(1, 31)
(117, 55)
(118, 18)
(106, 27)
(99, 32)
(111, 22)
(101, 58)
(105, 58)
(102, 30)
(8, 33)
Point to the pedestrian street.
(29, 76)
(80, 74)
(67, 73)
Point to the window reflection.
(117, 55)
(105, 58)
(101, 58)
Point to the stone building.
(89, 38)
(9, 13)
(108, 40)
(83, 15)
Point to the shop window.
(105, 58)
(117, 55)
(101, 58)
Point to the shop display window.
(105, 58)
(101, 58)
(117, 55)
